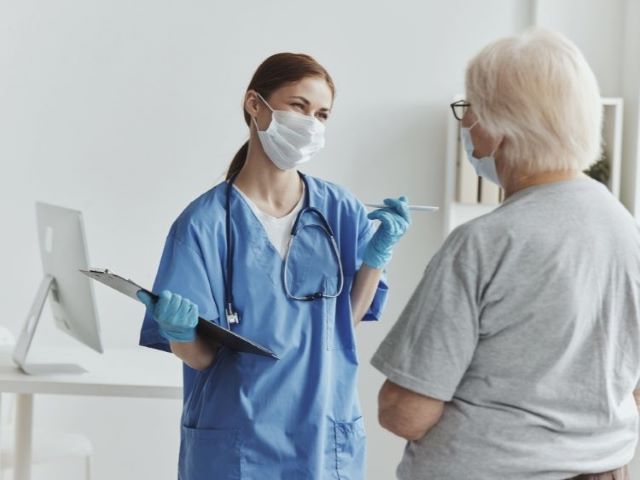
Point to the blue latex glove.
(177, 317)
(395, 220)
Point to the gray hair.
(537, 91)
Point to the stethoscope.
(230, 311)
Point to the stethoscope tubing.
(230, 312)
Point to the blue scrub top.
(248, 417)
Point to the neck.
(273, 190)
(515, 182)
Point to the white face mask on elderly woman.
(485, 167)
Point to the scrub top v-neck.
(278, 229)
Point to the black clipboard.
(205, 328)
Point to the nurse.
(230, 258)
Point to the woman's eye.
(323, 117)
(298, 106)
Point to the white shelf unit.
(456, 213)
(612, 139)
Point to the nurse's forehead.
(314, 90)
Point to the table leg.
(24, 425)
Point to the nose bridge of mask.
(289, 119)
(302, 125)
(306, 142)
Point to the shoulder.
(478, 241)
(474, 231)
(334, 197)
(204, 215)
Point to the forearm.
(636, 396)
(197, 354)
(364, 289)
(399, 422)
(407, 414)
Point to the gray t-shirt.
(527, 323)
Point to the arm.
(430, 348)
(405, 413)
(363, 291)
(394, 219)
(636, 396)
(198, 354)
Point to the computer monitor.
(63, 251)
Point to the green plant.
(600, 171)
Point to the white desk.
(134, 372)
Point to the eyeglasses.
(459, 109)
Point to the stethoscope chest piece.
(232, 316)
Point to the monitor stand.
(47, 285)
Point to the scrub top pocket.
(196, 401)
(312, 265)
(208, 454)
(339, 334)
(348, 443)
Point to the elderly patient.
(518, 354)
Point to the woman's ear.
(251, 103)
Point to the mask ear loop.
(264, 101)
(268, 106)
(493, 152)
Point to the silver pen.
(417, 208)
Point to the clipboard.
(205, 328)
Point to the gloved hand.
(395, 220)
(177, 317)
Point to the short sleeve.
(182, 271)
(366, 230)
(431, 345)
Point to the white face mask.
(291, 138)
(485, 167)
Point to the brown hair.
(275, 72)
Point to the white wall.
(631, 93)
(596, 27)
(127, 110)
(608, 33)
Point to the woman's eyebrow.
(307, 102)
(304, 100)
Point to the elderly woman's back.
(549, 366)
(526, 325)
